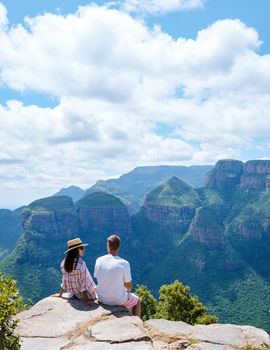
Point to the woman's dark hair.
(72, 255)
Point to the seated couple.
(112, 274)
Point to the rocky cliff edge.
(59, 324)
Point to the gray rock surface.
(209, 346)
(119, 330)
(222, 334)
(59, 324)
(123, 346)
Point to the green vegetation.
(175, 304)
(231, 277)
(99, 200)
(207, 218)
(57, 203)
(174, 192)
(39, 277)
(231, 290)
(112, 188)
(148, 303)
(10, 304)
(210, 197)
(249, 347)
(11, 228)
(34, 281)
(135, 184)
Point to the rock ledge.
(59, 324)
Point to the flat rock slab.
(42, 344)
(123, 346)
(55, 317)
(160, 345)
(220, 334)
(119, 330)
(232, 335)
(168, 331)
(224, 334)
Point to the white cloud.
(115, 80)
(48, 155)
(107, 54)
(3, 16)
(160, 6)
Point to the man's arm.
(128, 286)
(127, 276)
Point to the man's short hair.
(114, 242)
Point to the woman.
(76, 278)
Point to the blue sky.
(89, 94)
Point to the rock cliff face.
(104, 220)
(103, 213)
(173, 203)
(206, 229)
(56, 323)
(177, 218)
(225, 175)
(48, 223)
(256, 175)
(250, 230)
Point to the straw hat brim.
(78, 246)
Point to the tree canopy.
(175, 303)
(10, 304)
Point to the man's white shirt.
(111, 273)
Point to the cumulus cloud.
(42, 139)
(160, 6)
(115, 80)
(105, 53)
(3, 16)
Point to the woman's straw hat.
(75, 243)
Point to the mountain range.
(215, 238)
(132, 187)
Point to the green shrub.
(175, 303)
(10, 304)
(148, 303)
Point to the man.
(114, 279)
